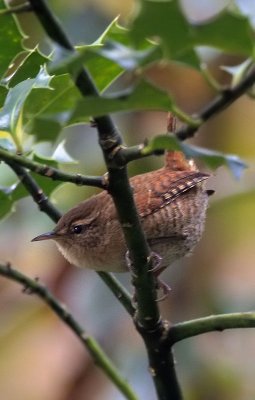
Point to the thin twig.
(50, 172)
(33, 286)
(217, 105)
(187, 329)
(36, 192)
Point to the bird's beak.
(45, 236)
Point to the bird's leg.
(156, 268)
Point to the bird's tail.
(176, 160)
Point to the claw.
(165, 289)
(155, 260)
(156, 268)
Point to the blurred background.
(40, 357)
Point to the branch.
(32, 286)
(50, 172)
(222, 101)
(184, 330)
(147, 317)
(36, 192)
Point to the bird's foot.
(161, 285)
(155, 260)
(156, 269)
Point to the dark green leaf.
(143, 97)
(47, 185)
(49, 161)
(3, 94)
(6, 204)
(227, 31)
(46, 111)
(29, 67)
(10, 40)
(128, 58)
(166, 23)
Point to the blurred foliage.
(156, 63)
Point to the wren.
(171, 202)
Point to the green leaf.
(103, 71)
(10, 40)
(47, 185)
(213, 159)
(6, 203)
(166, 22)
(29, 67)
(227, 31)
(49, 161)
(128, 58)
(3, 94)
(46, 111)
(11, 111)
(143, 97)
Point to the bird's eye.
(77, 229)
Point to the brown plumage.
(171, 203)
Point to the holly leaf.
(29, 67)
(10, 40)
(11, 113)
(165, 22)
(6, 203)
(143, 97)
(213, 159)
(46, 111)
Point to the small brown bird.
(171, 203)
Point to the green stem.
(33, 286)
(187, 329)
(50, 172)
